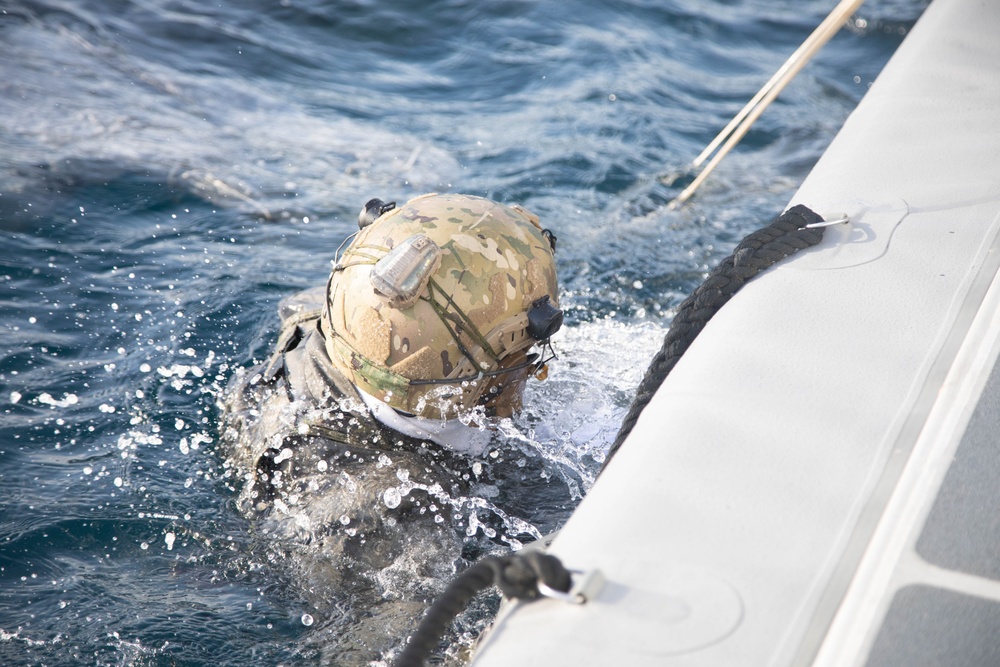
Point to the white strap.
(451, 434)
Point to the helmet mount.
(373, 210)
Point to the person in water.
(357, 434)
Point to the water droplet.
(307, 620)
(144, 546)
(391, 498)
(169, 539)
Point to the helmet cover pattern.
(466, 333)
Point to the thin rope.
(468, 326)
(740, 124)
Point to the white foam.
(66, 401)
(572, 417)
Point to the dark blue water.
(170, 169)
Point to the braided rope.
(757, 252)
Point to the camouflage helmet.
(434, 305)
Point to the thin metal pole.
(741, 123)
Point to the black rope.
(758, 251)
(517, 576)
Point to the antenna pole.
(741, 123)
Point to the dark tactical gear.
(369, 514)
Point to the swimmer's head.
(436, 305)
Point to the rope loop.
(518, 576)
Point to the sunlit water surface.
(169, 170)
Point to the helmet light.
(402, 275)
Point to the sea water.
(170, 169)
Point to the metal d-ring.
(586, 586)
(841, 219)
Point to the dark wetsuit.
(375, 517)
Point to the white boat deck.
(818, 480)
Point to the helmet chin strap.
(451, 433)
